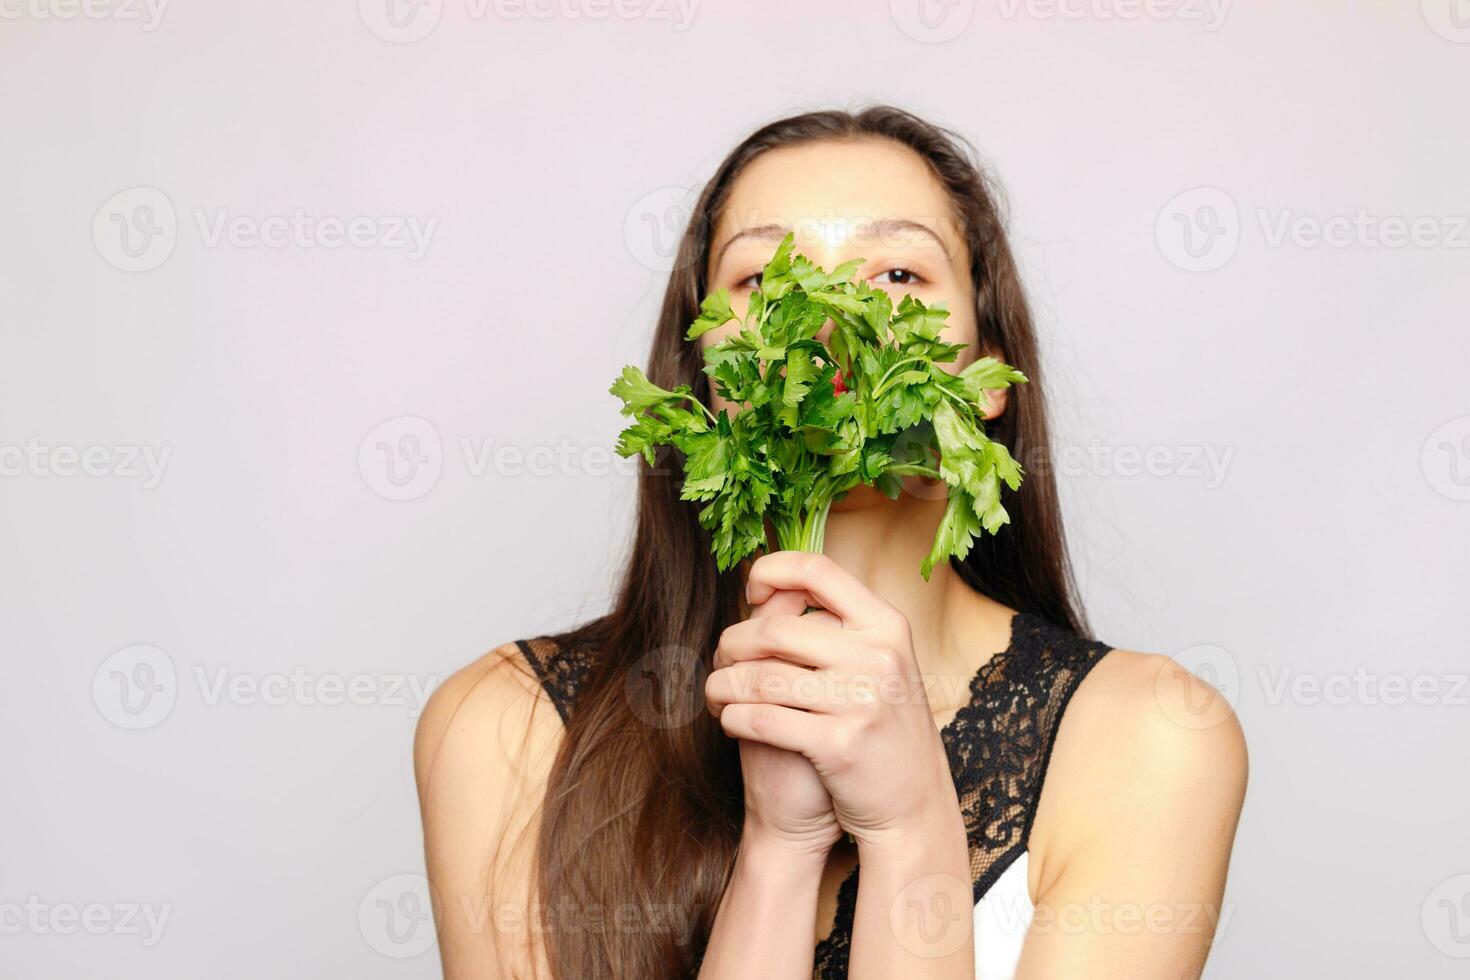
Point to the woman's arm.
(914, 914)
(766, 926)
(1134, 826)
(482, 752)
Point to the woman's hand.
(842, 689)
(785, 802)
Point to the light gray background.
(1328, 547)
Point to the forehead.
(816, 187)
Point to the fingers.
(792, 603)
(822, 618)
(818, 577)
(800, 640)
(774, 725)
(768, 682)
(795, 603)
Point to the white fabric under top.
(1002, 917)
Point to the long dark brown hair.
(641, 815)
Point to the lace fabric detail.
(560, 671)
(998, 744)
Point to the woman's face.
(864, 198)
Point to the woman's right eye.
(752, 281)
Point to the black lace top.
(998, 745)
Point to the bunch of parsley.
(871, 406)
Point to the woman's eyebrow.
(883, 229)
(905, 227)
(768, 232)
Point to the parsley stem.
(805, 530)
(913, 469)
(878, 391)
(815, 533)
(969, 409)
(705, 408)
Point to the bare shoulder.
(1148, 757)
(488, 717)
(482, 755)
(1159, 711)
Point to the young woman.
(688, 785)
